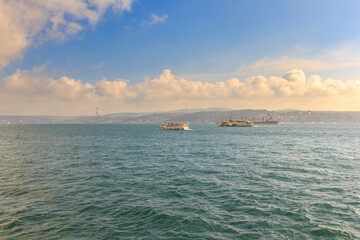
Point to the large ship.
(235, 123)
(173, 126)
(269, 120)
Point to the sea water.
(139, 182)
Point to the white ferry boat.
(173, 126)
(235, 123)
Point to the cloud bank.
(26, 22)
(341, 57)
(31, 92)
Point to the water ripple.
(136, 182)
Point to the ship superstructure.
(174, 126)
(235, 123)
(269, 120)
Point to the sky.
(67, 57)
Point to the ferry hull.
(171, 126)
(235, 124)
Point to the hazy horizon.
(183, 111)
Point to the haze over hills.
(191, 116)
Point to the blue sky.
(198, 37)
(202, 40)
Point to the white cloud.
(31, 92)
(27, 22)
(340, 57)
(34, 85)
(283, 63)
(155, 19)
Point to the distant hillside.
(188, 116)
(200, 110)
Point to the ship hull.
(232, 124)
(175, 127)
(235, 123)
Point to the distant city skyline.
(69, 57)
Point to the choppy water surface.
(137, 182)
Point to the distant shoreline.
(200, 117)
